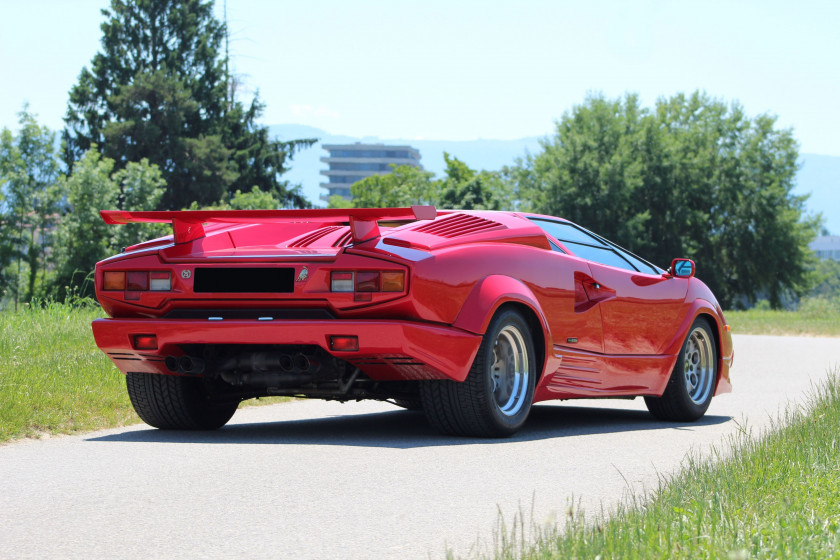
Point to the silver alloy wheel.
(698, 368)
(510, 371)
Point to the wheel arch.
(496, 293)
(705, 310)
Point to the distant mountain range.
(819, 175)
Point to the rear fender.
(491, 293)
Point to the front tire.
(496, 397)
(171, 402)
(692, 383)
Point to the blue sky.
(460, 70)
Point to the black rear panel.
(244, 280)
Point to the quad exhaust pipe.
(188, 365)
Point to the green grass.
(53, 378)
(814, 317)
(770, 497)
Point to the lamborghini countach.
(469, 316)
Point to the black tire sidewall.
(508, 424)
(678, 377)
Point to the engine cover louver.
(344, 240)
(313, 236)
(457, 225)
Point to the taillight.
(160, 281)
(393, 281)
(114, 281)
(135, 281)
(366, 282)
(341, 282)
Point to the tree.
(404, 186)
(460, 188)
(254, 200)
(83, 238)
(28, 170)
(465, 189)
(159, 90)
(827, 279)
(693, 177)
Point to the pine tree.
(159, 89)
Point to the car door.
(639, 306)
(574, 321)
(640, 311)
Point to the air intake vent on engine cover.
(458, 225)
(344, 240)
(313, 236)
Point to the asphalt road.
(363, 480)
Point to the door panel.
(640, 312)
(574, 321)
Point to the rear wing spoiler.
(188, 225)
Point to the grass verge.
(768, 497)
(814, 317)
(53, 378)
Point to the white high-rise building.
(349, 163)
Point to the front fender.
(723, 337)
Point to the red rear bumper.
(388, 350)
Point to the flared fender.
(724, 338)
(491, 293)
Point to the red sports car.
(471, 316)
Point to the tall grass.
(53, 378)
(770, 497)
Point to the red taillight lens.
(145, 342)
(367, 281)
(113, 281)
(137, 281)
(344, 343)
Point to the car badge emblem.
(304, 274)
(185, 274)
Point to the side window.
(565, 231)
(585, 245)
(555, 247)
(641, 265)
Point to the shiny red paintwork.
(599, 330)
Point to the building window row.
(829, 255)
(394, 154)
(344, 166)
(345, 178)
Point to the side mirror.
(682, 268)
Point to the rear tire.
(171, 402)
(692, 383)
(495, 398)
